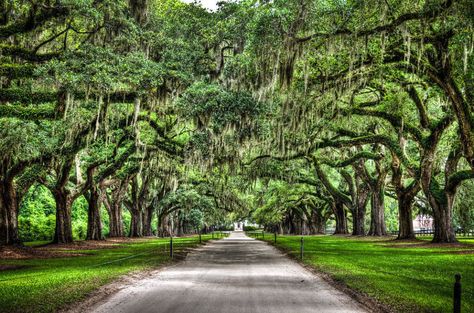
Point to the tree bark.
(318, 223)
(163, 225)
(147, 217)
(405, 198)
(439, 199)
(377, 213)
(63, 231)
(136, 223)
(405, 218)
(358, 221)
(114, 204)
(8, 213)
(115, 220)
(94, 224)
(341, 218)
(443, 216)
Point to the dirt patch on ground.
(22, 253)
(60, 250)
(109, 243)
(7, 267)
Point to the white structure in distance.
(238, 226)
(211, 5)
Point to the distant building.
(423, 222)
(238, 226)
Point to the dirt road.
(234, 275)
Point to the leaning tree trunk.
(63, 231)
(8, 214)
(341, 218)
(377, 214)
(94, 225)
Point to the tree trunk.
(377, 213)
(8, 214)
(405, 218)
(180, 230)
(318, 223)
(94, 225)
(439, 199)
(358, 221)
(136, 222)
(114, 203)
(443, 216)
(147, 217)
(63, 231)
(341, 218)
(163, 225)
(116, 220)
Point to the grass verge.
(407, 276)
(49, 284)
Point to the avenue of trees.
(156, 117)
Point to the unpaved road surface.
(234, 275)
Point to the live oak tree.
(292, 113)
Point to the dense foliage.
(141, 117)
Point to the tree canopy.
(160, 117)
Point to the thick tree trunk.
(341, 218)
(179, 230)
(116, 220)
(318, 224)
(163, 225)
(63, 231)
(136, 223)
(405, 218)
(358, 221)
(377, 214)
(94, 224)
(439, 199)
(147, 217)
(114, 209)
(443, 216)
(8, 214)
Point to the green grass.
(46, 285)
(408, 279)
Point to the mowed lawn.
(46, 285)
(407, 276)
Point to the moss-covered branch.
(457, 178)
(352, 159)
(384, 28)
(396, 121)
(35, 18)
(26, 54)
